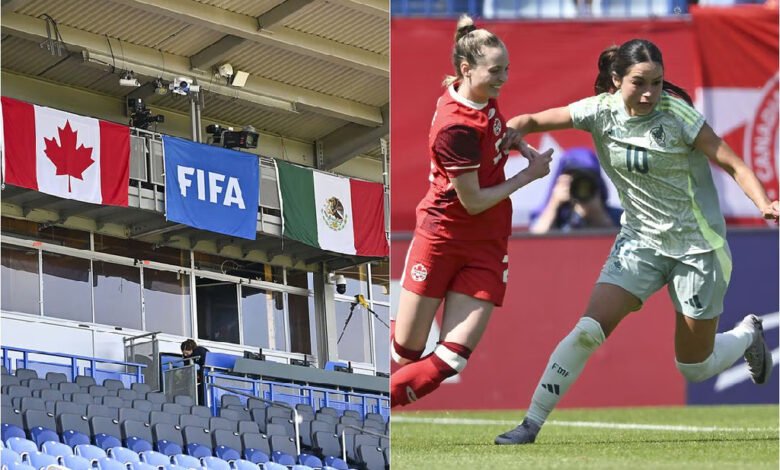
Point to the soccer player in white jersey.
(655, 147)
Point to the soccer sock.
(565, 365)
(399, 352)
(728, 347)
(420, 378)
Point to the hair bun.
(465, 26)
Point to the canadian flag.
(64, 154)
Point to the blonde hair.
(468, 46)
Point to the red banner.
(550, 282)
(738, 57)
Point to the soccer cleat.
(757, 355)
(523, 434)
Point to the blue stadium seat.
(21, 445)
(256, 448)
(39, 459)
(273, 466)
(186, 461)
(106, 432)
(90, 452)
(137, 436)
(214, 463)
(123, 455)
(310, 460)
(41, 426)
(141, 466)
(241, 464)
(301, 467)
(197, 441)
(183, 400)
(13, 424)
(155, 458)
(74, 429)
(9, 457)
(57, 449)
(167, 439)
(175, 467)
(336, 463)
(21, 466)
(76, 462)
(283, 458)
(227, 445)
(110, 464)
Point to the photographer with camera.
(577, 198)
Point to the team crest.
(419, 272)
(658, 135)
(333, 214)
(497, 126)
(491, 113)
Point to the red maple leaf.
(68, 159)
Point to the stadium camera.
(140, 116)
(183, 86)
(128, 79)
(340, 281)
(246, 138)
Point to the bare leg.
(413, 321)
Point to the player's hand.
(512, 140)
(539, 164)
(772, 211)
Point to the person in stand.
(577, 198)
(459, 252)
(656, 149)
(191, 350)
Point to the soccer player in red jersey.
(459, 251)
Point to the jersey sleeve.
(689, 119)
(584, 112)
(458, 149)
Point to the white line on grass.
(577, 424)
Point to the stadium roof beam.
(153, 63)
(352, 140)
(281, 11)
(213, 54)
(245, 26)
(376, 8)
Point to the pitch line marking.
(578, 424)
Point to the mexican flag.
(332, 212)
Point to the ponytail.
(468, 46)
(677, 91)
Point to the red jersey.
(465, 136)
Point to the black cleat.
(523, 434)
(757, 355)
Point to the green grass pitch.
(692, 437)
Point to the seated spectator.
(577, 198)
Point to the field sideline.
(690, 437)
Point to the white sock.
(565, 365)
(728, 347)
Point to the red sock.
(398, 351)
(416, 380)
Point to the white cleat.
(757, 355)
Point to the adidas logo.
(410, 394)
(552, 388)
(694, 302)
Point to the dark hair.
(189, 345)
(468, 45)
(617, 60)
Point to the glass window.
(66, 289)
(217, 310)
(380, 281)
(254, 316)
(55, 235)
(140, 250)
(302, 325)
(117, 295)
(302, 279)
(279, 327)
(167, 302)
(382, 336)
(19, 276)
(354, 342)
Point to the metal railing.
(73, 362)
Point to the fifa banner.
(211, 188)
(550, 281)
(332, 212)
(65, 154)
(563, 71)
(738, 94)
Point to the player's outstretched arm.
(548, 120)
(709, 143)
(476, 199)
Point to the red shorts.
(477, 268)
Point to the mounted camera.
(340, 281)
(246, 138)
(584, 185)
(183, 86)
(140, 116)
